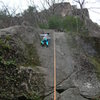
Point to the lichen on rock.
(19, 76)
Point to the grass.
(96, 62)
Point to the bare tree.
(5, 7)
(80, 2)
(82, 10)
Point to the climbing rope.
(54, 69)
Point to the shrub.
(55, 22)
(43, 26)
(71, 23)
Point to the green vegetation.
(32, 96)
(68, 23)
(4, 51)
(44, 26)
(96, 62)
(71, 23)
(11, 56)
(55, 22)
(14, 55)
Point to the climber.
(44, 41)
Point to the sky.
(21, 5)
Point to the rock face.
(20, 78)
(66, 9)
(71, 94)
(21, 39)
(86, 80)
(93, 28)
(61, 9)
(76, 78)
(20, 82)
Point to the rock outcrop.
(20, 78)
(76, 78)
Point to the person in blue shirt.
(44, 41)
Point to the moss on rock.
(16, 82)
